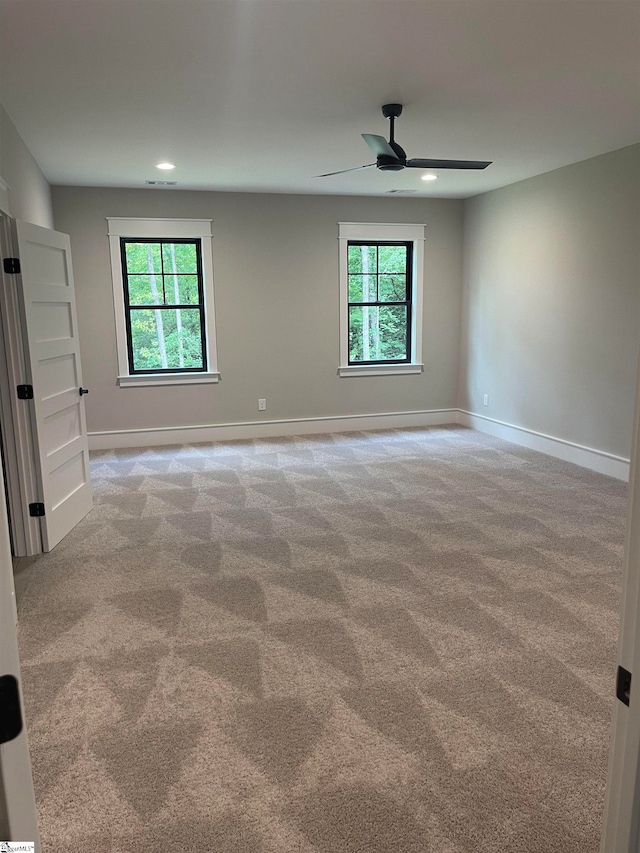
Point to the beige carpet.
(385, 642)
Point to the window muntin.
(379, 309)
(164, 305)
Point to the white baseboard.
(569, 451)
(108, 439)
(587, 457)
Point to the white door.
(52, 363)
(18, 820)
(621, 832)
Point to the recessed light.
(429, 177)
(166, 166)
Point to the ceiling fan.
(390, 157)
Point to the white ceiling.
(262, 95)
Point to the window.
(163, 299)
(381, 269)
(380, 291)
(164, 305)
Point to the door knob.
(83, 391)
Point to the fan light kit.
(390, 157)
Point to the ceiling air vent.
(400, 192)
(161, 183)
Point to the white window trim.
(162, 229)
(380, 231)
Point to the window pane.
(356, 349)
(183, 340)
(393, 332)
(362, 259)
(144, 337)
(392, 259)
(378, 333)
(362, 288)
(145, 289)
(181, 289)
(179, 257)
(166, 339)
(143, 257)
(392, 288)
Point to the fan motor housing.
(389, 164)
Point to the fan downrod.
(391, 112)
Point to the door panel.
(52, 322)
(62, 427)
(52, 356)
(58, 375)
(47, 263)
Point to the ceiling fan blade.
(379, 145)
(417, 163)
(342, 171)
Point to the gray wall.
(551, 302)
(29, 191)
(276, 293)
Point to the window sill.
(380, 369)
(149, 380)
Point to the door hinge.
(36, 510)
(623, 685)
(11, 265)
(10, 711)
(25, 392)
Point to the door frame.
(621, 829)
(18, 813)
(16, 428)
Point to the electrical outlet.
(262, 405)
(486, 400)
